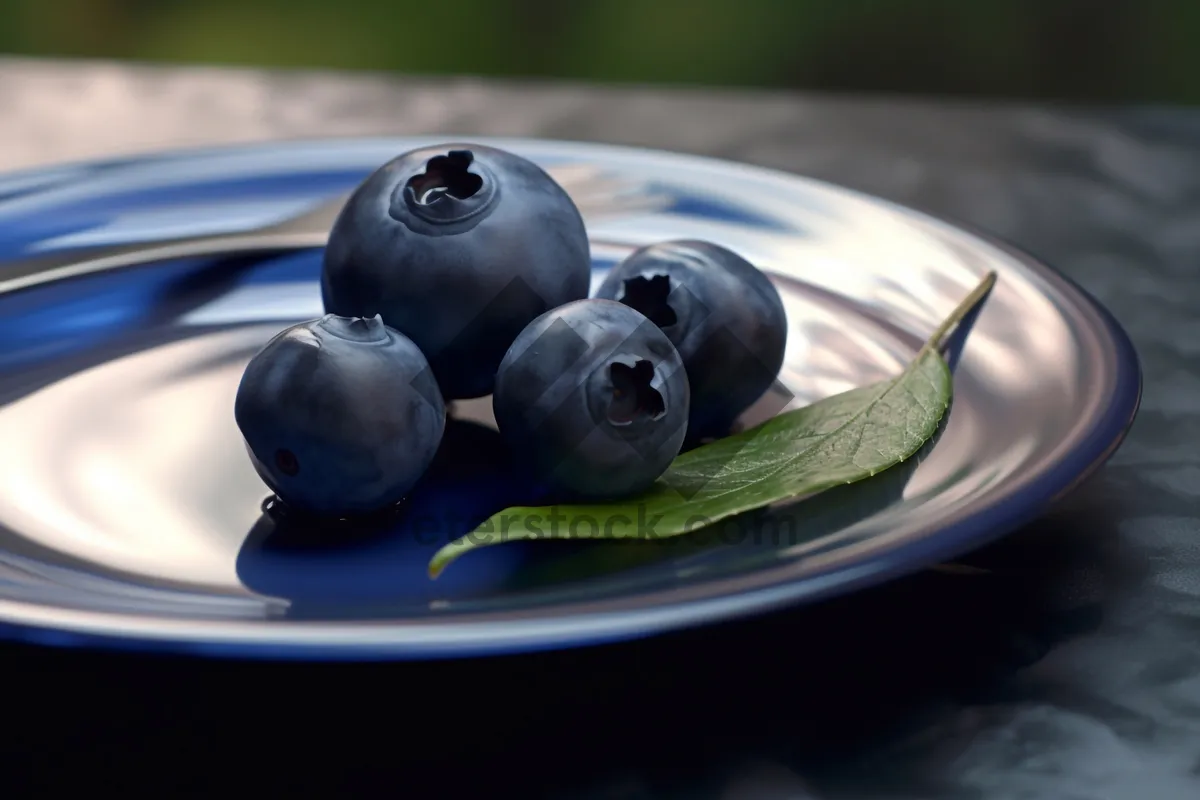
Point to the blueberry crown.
(452, 187)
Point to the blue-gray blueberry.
(593, 400)
(723, 315)
(341, 415)
(458, 247)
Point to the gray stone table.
(1070, 672)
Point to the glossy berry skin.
(458, 247)
(593, 399)
(722, 314)
(341, 416)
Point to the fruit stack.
(460, 271)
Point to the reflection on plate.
(130, 515)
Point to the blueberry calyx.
(633, 394)
(650, 296)
(355, 329)
(452, 188)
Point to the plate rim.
(466, 635)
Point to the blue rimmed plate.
(133, 292)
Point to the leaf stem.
(956, 316)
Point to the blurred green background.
(1087, 50)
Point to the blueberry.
(722, 314)
(341, 416)
(593, 399)
(458, 247)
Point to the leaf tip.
(442, 559)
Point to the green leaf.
(839, 440)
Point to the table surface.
(1070, 671)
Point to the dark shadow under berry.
(632, 395)
(649, 296)
(446, 175)
(287, 462)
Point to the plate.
(130, 515)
